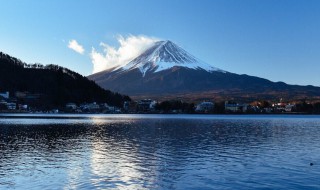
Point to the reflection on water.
(159, 152)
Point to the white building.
(289, 107)
(11, 106)
(205, 107)
(23, 107)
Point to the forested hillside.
(55, 85)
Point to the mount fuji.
(164, 55)
(166, 71)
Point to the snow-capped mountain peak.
(166, 71)
(165, 55)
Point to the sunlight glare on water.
(159, 152)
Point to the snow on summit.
(165, 55)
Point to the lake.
(159, 151)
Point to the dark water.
(159, 152)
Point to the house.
(92, 107)
(289, 107)
(107, 109)
(130, 106)
(11, 106)
(231, 106)
(146, 105)
(55, 111)
(126, 105)
(5, 95)
(23, 107)
(205, 107)
(71, 106)
(279, 107)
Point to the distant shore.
(67, 113)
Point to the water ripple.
(159, 152)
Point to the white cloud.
(130, 47)
(74, 45)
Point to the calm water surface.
(159, 152)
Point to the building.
(105, 108)
(231, 106)
(126, 105)
(146, 105)
(71, 106)
(5, 95)
(92, 107)
(205, 107)
(130, 106)
(23, 107)
(289, 107)
(11, 106)
(279, 107)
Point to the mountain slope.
(167, 70)
(56, 85)
(164, 55)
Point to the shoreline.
(5, 114)
(154, 113)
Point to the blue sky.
(274, 39)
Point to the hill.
(52, 85)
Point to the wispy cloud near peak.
(130, 47)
